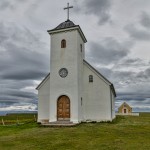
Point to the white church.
(73, 91)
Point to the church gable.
(97, 73)
(98, 96)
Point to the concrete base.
(60, 123)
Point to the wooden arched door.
(63, 108)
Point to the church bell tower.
(66, 71)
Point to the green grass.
(124, 133)
(12, 119)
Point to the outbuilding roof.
(124, 104)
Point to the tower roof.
(66, 24)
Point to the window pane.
(81, 47)
(63, 43)
(90, 78)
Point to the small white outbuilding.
(74, 91)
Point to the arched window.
(63, 43)
(90, 78)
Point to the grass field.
(13, 119)
(124, 133)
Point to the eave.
(43, 81)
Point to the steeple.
(68, 25)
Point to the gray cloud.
(132, 61)
(132, 85)
(108, 51)
(141, 109)
(144, 74)
(133, 97)
(135, 93)
(99, 8)
(145, 20)
(4, 104)
(137, 33)
(106, 72)
(5, 4)
(14, 95)
(22, 57)
(128, 63)
(9, 107)
(23, 94)
(132, 79)
(14, 84)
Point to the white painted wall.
(81, 55)
(43, 101)
(96, 101)
(113, 105)
(70, 58)
(97, 98)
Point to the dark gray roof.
(66, 24)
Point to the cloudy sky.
(118, 34)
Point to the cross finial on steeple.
(68, 7)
